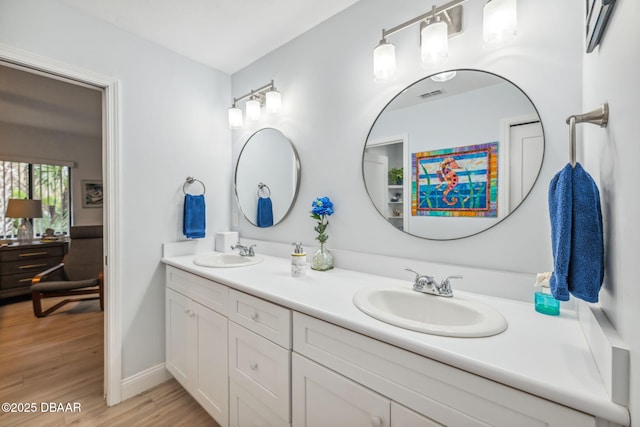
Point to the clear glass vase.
(322, 260)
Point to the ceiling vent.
(431, 94)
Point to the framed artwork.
(598, 12)
(92, 194)
(455, 182)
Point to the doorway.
(109, 89)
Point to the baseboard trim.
(143, 381)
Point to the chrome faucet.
(244, 250)
(427, 284)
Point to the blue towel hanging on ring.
(193, 225)
(265, 212)
(576, 235)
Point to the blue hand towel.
(587, 241)
(265, 212)
(576, 235)
(560, 208)
(193, 225)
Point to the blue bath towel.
(265, 212)
(193, 225)
(576, 235)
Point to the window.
(49, 183)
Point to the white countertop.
(546, 356)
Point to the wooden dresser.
(20, 262)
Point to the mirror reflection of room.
(469, 150)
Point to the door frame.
(110, 172)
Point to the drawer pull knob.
(253, 366)
(255, 316)
(26, 267)
(33, 254)
(376, 421)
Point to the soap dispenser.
(545, 303)
(298, 260)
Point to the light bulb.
(384, 61)
(253, 109)
(274, 102)
(444, 76)
(235, 117)
(435, 43)
(499, 22)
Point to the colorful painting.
(456, 182)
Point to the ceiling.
(225, 34)
(33, 100)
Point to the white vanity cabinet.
(196, 340)
(434, 391)
(259, 361)
(325, 398)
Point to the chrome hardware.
(427, 284)
(244, 250)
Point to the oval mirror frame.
(278, 179)
(478, 97)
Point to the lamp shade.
(435, 43)
(235, 117)
(499, 22)
(253, 109)
(274, 102)
(24, 208)
(384, 61)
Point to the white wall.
(172, 124)
(29, 143)
(611, 157)
(330, 102)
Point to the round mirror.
(267, 177)
(453, 154)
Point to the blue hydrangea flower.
(321, 208)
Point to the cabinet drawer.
(266, 319)
(247, 411)
(208, 293)
(22, 280)
(29, 266)
(262, 368)
(32, 253)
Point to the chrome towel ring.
(263, 189)
(191, 180)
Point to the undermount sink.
(451, 317)
(225, 260)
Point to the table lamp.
(25, 209)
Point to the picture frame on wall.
(597, 18)
(92, 194)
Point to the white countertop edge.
(551, 388)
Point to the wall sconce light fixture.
(499, 22)
(437, 26)
(267, 94)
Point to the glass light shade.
(435, 43)
(499, 22)
(384, 62)
(253, 109)
(274, 102)
(443, 77)
(235, 117)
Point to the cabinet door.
(323, 398)
(178, 310)
(405, 417)
(210, 383)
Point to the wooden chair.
(81, 271)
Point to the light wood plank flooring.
(58, 359)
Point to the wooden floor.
(58, 360)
